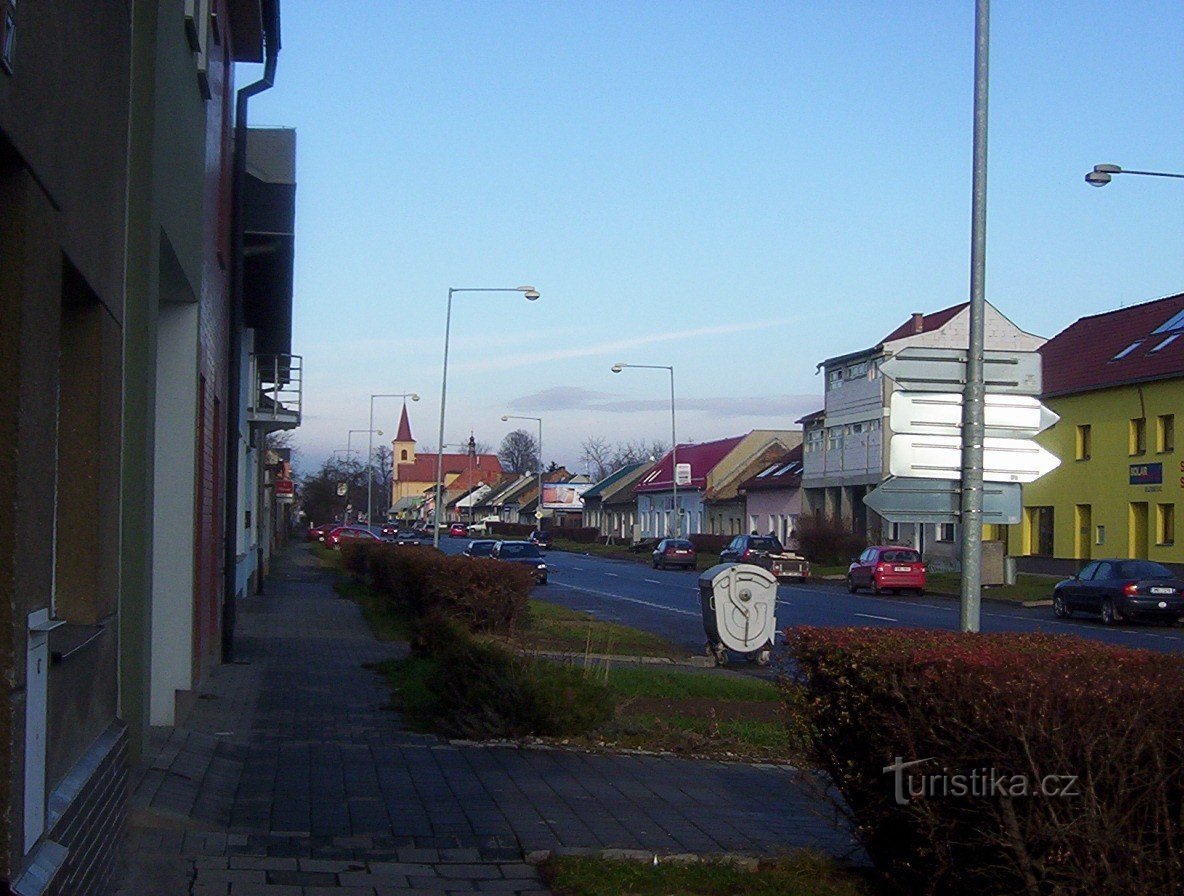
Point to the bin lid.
(709, 576)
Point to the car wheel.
(654, 562)
(851, 587)
(1060, 609)
(1109, 614)
(876, 589)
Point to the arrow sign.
(940, 413)
(940, 457)
(944, 370)
(910, 500)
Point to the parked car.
(317, 533)
(391, 530)
(766, 551)
(542, 538)
(340, 534)
(482, 547)
(458, 530)
(674, 552)
(1122, 589)
(524, 553)
(890, 568)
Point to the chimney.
(918, 322)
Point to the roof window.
(1172, 324)
(1126, 351)
(1167, 342)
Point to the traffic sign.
(940, 457)
(940, 413)
(922, 369)
(342, 488)
(912, 500)
(682, 474)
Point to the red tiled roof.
(785, 472)
(404, 434)
(424, 468)
(929, 322)
(1086, 355)
(702, 456)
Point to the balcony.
(276, 392)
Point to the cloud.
(507, 362)
(574, 398)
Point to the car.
(317, 533)
(674, 552)
(542, 538)
(768, 552)
(341, 534)
(887, 567)
(458, 530)
(481, 547)
(524, 553)
(390, 530)
(1119, 589)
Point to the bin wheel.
(760, 657)
(719, 653)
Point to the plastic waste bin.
(739, 601)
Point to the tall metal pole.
(369, 472)
(973, 395)
(440, 439)
(674, 459)
(539, 519)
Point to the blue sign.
(1146, 474)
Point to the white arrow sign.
(940, 457)
(940, 413)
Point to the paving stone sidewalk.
(290, 777)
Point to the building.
(597, 514)
(846, 452)
(1117, 381)
(725, 504)
(773, 497)
(414, 476)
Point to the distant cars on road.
(342, 534)
(525, 554)
(766, 551)
(1119, 589)
(674, 552)
(458, 530)
(888, 568)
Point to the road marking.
(653, 581)
(615, 575)
(632, 600)
(881, 618)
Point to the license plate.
(903, 568)
(1156, 589)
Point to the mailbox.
(739, 603)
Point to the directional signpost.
(909, 500)
(944, 370)
(940, 457)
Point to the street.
(666, 602)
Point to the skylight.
(766, 472)
(1126, 351)
(1173, 323)
(1167, 342)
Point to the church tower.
(403, 446)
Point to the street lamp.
(538, 514)
(531, 294)
(403, 395)
(1102, 174)
(617, 368)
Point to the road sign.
(911, 500)
(921, 369)
(342, 488)
(940, 457)
(682, 474)
(940, 413)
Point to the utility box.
(994, 570)
(739, 603)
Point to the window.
(1165, 433)
(1084, 447)
(1126, 351)
(855, 371)
(8, 34)
(1137, 437)
(834, 377)
(894, 531)
(1088, 572)
(1165, 524)
(1175, 322)
(834, 438)
(403, 454)
(1039, 534)
(1101, 535)
(945, 532)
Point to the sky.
(737, 190)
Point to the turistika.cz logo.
(979, 782)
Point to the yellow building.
(1117, 382)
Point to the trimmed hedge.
(706, 543)
(996, 723)
(827, 541)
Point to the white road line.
(881, 618)
(633, 600)
(615, 575)
(653, 581)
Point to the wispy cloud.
(534, 356)
(574, 398)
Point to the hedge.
(993, 722)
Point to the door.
(1093, 590)
(1137, 531)
(1082, 528)
(1074, 589)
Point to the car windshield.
(1142, 569)
(517, 549)
(901, 557)
(480, 548)
(679, 544)
(764, 543)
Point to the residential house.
(725, 505)
(773, 497)
(596, 513)
(846, 452)
(1117, 381)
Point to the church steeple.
(403, 444)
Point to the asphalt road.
(666, 602)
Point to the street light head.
(414, 396)
(505, 417)
(529, 291)
(1107, 169)
(1097, 178)
(617, 368)
(378, 432)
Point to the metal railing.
(277, 391)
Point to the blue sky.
(737, 189)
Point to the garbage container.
(738, 601)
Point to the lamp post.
(349, 450)
(617, 368)
(538, 514)
(1102, 174)
(531, 294)
(370, 448)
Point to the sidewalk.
(290, 778)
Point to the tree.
(382, 473)
(597, 455)
(519, 452)
(318, 492)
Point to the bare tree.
(597, 456)
(637, 452)
(382, 473)
(483, 447)
(519, 452)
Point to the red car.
(889, 568)
(674, 552)
(335, 537)
(458, 530)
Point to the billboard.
(564, 495)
